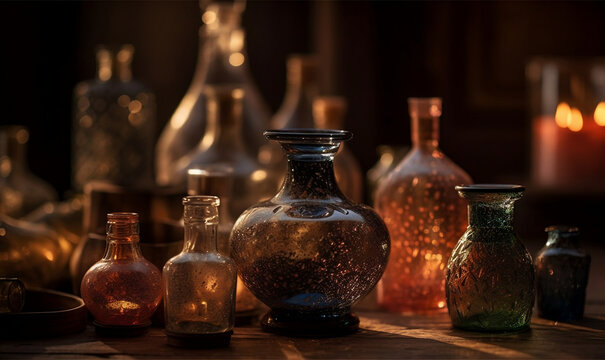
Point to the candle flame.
(576, 122)
(599, 114)
(563, 115)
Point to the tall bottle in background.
(223, 144)
(296, 110)
(328, 113)
(222, 60)
(113, 125)
(424, 215)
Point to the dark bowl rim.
(491, 188)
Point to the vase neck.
(201, 223)
(563, 237)
(424, 115)
(301, 90)
(224, 122)
(490, 214)
(310, 179)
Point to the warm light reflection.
(259, 175)
(122, 305)
(599, 114)
(562, 114)
(236, 59)
(209, 17)
(135, 106)
(576, 122)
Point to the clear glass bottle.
(223, 144)
(424, 215)
(20, 191)
(329, 113)
(123, 289)
(199, 283)
(490, 275)
(113, 125)
(296, 110)
(562, 275)
(309, 252)
(216, 181)
(222, 60)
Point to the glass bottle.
(388, 158)
(113, 125)
(328, 113)
(20, 190)
(217, 181)
(123, 289)
(199, 283)
(296, 110)
(490, 276)
(222, 60)
(309, 252)
(33, 253)
(424, 215)
(223, 144)
(562, 275)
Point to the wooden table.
(382, 336)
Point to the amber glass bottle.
(424, 215)
(122, 289)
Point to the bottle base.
(105, 330)
(297, 324)
(199, 340)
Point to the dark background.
(377, 54)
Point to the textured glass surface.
(562, 275)
(424, 215)
(20, 191)
(113, 125)
(490, 276)
(199, 283)
(222, 60)
(123, 288)
(309, 253)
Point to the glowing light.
(22, 136)
(441, 304)
(209, 17)
(599, 114)
(135, 106)
(49, 255)
(259, 175)
(2, 231)
(236, 59)
(122, 305)
(576, 122)
(86, 121)
(562, 114)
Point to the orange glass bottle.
(123, 289)
(424, 215)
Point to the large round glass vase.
(309, 252)
(490, 275)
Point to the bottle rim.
(203, 200)
(490, 188)
(307, 135)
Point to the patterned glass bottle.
(490, 276)
(424, 215)
(562, 275)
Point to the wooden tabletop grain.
(382, 336)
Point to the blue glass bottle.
(562, 274)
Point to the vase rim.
(566, 229)
(491, 188)
(295, 135)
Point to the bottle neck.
(224, 125)
(200, 236)
(563, 240)
(299, 98)
(310, 177)
(124, 248)
(12, 155)
(491, 214)
(425, 132)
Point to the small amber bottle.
(123, 289)
(199, 283)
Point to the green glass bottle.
(490, 277)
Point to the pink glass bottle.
(123, 289)
(424, 215)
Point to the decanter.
(123, 289)
(309, 252)
(20, 191)
(199, 283)
(490, 275)
(328, 113)
(562, 275)
(113, 125)
(424, 215)
(223, 144)
(222, 60)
